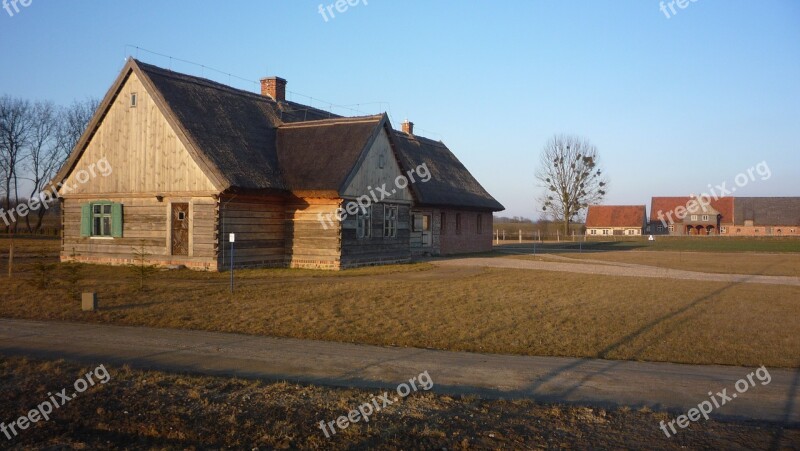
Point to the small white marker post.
(232, 239)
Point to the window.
(480, 223)
(671, 228)
(418, 222)
(593, 232)
(659, 228)
(605, 231)
(101, 219)
(390, 221)
(705, 217)
(381, 161)
(443, 225)
(723, 230)
(694, 217)
(364, 222)
(134, 99)
(458, 223)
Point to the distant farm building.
(728, 216)
(629, 220)
(195, 161)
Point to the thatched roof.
(234, 129)
(320, 155)
(451, 184)
(244, 140)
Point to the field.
(423, 305)
(664, 243)
(785, 264)
(154, 410)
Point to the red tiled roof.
(665, 205)
(615, 216)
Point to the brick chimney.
(408, 127)
(274, 87)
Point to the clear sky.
(673, 104)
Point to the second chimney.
(408, 127)
(274, 87)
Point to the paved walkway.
(615, 269)
(593, 382)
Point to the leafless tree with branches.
(571, 178)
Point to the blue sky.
(673, 104)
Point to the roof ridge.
(410, 137)
(333, 121)
(200, 81)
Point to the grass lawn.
(663, 243)
(155, 410)
(469, 309)
(784, 264)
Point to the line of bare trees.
(36, 139)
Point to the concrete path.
(616, 269)
(583, 381)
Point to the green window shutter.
(116, 220)
(86, 219)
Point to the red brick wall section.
(468, 240)
(773, 231)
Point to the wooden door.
(426, 230)
(180, 229)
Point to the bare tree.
(42, 154)
(73, 121)
(15, 130)
(569, 173)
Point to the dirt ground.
(154, 410)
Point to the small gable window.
(390, 221)
(134, 99)
(101, 220)
(364, 222)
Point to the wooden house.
(193, 161)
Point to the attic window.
(134, 99)
(381, 161)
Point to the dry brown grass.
(468, 309)
(154, 410)
(787, 264)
